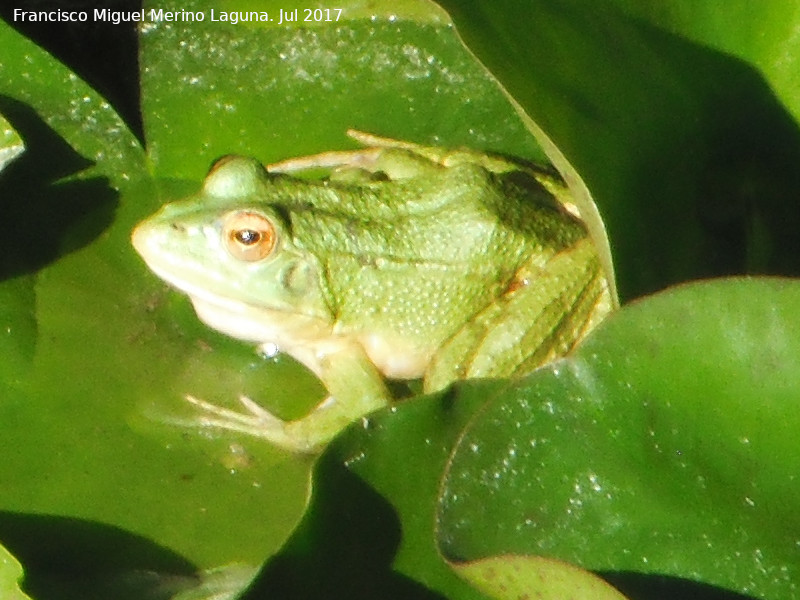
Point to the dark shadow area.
(72, 559)
(342, 549)
(724, 196)
(102, 53)
(637, 586)
(748, 180)
(41, 217)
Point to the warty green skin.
(407, 262)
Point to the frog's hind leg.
(366, 158)
(380, 153)
(434, 154)
(370, 139)
(545, 313)
(363, 158)
(394, 161)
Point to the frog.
(402, 262)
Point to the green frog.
(404, 262)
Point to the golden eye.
(249, 236)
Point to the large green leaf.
(666, 445)
(274, 92)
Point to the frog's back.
(464, 219)
(431, 254)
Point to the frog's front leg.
(356, 389)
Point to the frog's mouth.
(197, 292)
(242, 320)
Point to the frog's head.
(230, 249)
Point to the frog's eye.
(249, 236)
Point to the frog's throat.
(300, 335)
(245, 321)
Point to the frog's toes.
(259, 422)
(256, 421)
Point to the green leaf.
(666, 445)
(225, 583)
(280, 92)
(10, 577)
(511, 577)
